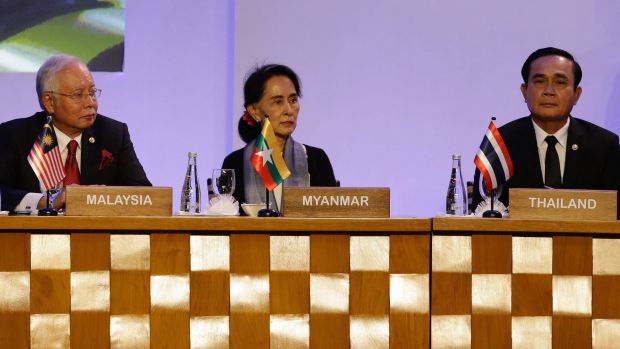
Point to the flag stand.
(495, 165)
(45, 151)
(267, 212)
(492, 213)
(49, 210)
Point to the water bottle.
(456, 200)
(190, 194)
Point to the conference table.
(240, 282)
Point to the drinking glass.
(224, 181)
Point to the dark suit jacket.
(319, 167)
(16, 139)
(594, 164)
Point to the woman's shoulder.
(320, 168)
(315, 152)
(234, 158)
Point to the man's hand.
(57, 203)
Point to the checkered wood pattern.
(321, 290)
(506, 290)
(179, 290)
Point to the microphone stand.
(267, 212)
(492, 213)
(49, 210)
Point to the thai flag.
(493, 160)
(44, 158)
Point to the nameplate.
(336, 202)
(563, 204)
(87, 200)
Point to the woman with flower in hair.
(273, 91)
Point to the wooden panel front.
(210, 292)
(129, 292)
(289, 292)
(329, 253)
(90, 251)
(491, 254)
(329, 331)
(50, 291)
(572, 255)
(178, 289)
(15, 288)
(491, 331)
(15, 329)
(14, 251)
(533, 284)
(170, 268)
(409, 330)
(90, 290)
(532, 295)
(451, 294)
(90, 330)
(557, 288)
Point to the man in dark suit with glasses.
(95, 149)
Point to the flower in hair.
(248, 118)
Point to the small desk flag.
(268, 163)
(493, 160)
(44, 157)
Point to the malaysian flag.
(493, 160)
(44, 157)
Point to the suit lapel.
(573, 153)
(89, 154)
(530, 162)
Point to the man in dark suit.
(551, 148)
(104, 152)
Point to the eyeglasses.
(80, 96)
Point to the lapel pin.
(575, 147)
(91, 140)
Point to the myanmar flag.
(269, 164)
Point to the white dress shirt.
(561, 135)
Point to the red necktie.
(72, 171)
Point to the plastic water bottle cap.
(192, 154)
(456, 157)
